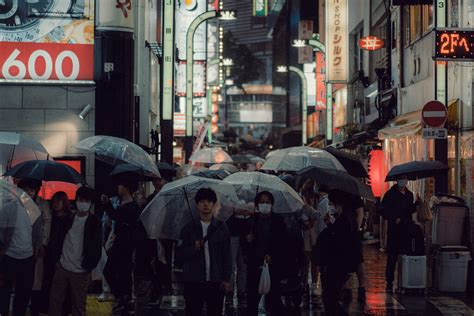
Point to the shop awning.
(403, 125)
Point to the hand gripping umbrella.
(174, 206)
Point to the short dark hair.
(131, 185)
(260, 194)
(29, 184)
(206, 194)
(85, 193)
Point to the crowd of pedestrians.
(50, 263)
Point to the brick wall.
(50, 115)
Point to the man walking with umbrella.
(205, 253)
(397, 208)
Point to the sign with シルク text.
(454, 44)
(44, 41)
(434, 133)
(260, 8)
(337, 41)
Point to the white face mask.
(265, 208)
(83, 206)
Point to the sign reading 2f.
(454, 44)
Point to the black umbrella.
(213, 174)
(241, 159)
(132, 173)
(337, 179)
(166, 170)
(415, 170)
(350, 162)
(45, 170)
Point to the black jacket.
(92, 246)
(276, 249)
(126, 219)
(397, 205)
(193, 261)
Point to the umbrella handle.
(189, 205)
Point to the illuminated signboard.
(371, 43)
(337, 46)
(168, 60)
(260, 8)
(454, 44)
(44, 41)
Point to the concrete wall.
(50, 115)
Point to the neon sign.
(371, 43)
(454, 44)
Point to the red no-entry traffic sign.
(434, 114)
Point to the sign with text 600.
(46, 61)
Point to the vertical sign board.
(260, 8)
(47, 41)
(337, 41)
(440, 67)
(186, 13)
(168, 59)
(320, 81)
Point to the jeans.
(18, 272)
(196, 294)
(238, 266)
(77, 284)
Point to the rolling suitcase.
(411, 273)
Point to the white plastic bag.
(265, 281)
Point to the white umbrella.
(115, 151)
(173, 207)
(297, 158)
(16, 148)
(248, 184)
(211, 156)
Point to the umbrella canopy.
(255, 159)
(173, 207)
(415, 170)
(337, 179)
(213, 174)
(187, 170)
(248, 184)
(166, 170)
(351, 162)
(241, 159)
(224, 166)
(132, 173)
(297, 158)
(16, 148)
(45, 170)
(12, 201)
(210, 156)
(113, 151)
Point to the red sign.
(320, 81)
(51, 187)
(371, 43)
(434, 114)
(46, 61)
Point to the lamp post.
(318, 46)
(304, 99)
(223, 15)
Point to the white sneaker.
(106, 297)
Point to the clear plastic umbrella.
(297, 158)
(114, 151)
(224, 166)
(16, 148)
(211, 156)
(248, 184)
(174, 206)
(187, 170)
(12, 201)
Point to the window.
(418, 21)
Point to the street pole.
(189, 77)
(441, 94)
(304, 103)
(318, 46)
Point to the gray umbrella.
(16, 148)
(115, 151)
(297, 158)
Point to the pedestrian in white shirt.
(81, 252)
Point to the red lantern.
(378, 172)
(371, 43)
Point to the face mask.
(83, 206)
(265, 208)
(402, 183)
